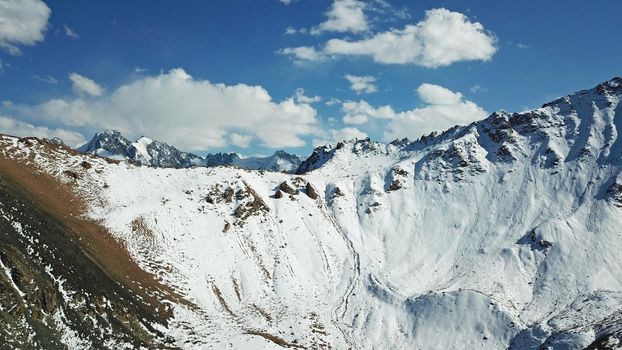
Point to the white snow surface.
(501, 234)
(141, 148)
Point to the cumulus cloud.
(360, 112)
(191, 113)
(442, 38)
(22, 22)
(16, 127)
(336, 135)
(302, 53)
(344, 16)
(290, 30)
(287, 2)
(240, 140)
(362, 84)
(302, 98)
(85, 86)
(438, 95)
(443, 109)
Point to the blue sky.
(223, 75)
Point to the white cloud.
(362, 84)
(15, 127)
(290, 30)
(302, 53)
(46, 79)
(333, 101)
(70, 32)
(84, 85)
(344, 16)
(360, 112)
(302, 98)
(287, 2)
(190, 113)
(240, 140)
(438, 95)
(477, 88)
(444, 109)
(442, 38)
(336, 135)
(402, 13)
(22, 22)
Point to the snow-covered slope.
(501, 234)
(144, 151)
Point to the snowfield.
(505, 233)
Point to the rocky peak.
(359, 148)
(144, 151)
(279, 161)
(220, 159)
(110, 141)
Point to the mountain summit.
(144, 151)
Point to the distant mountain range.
(145, 151)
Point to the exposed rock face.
(338, 192)
(615, 193)
(396, 179)
(249, 203)
(311, 191)
(287, 188)
(319, 156)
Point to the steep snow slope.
(502, 234)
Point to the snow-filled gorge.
(505, 233)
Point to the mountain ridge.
(145, 151)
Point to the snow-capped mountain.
(112, 144)
(279, 161)
(501, 234)
(144, 151)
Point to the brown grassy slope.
(59, 200)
